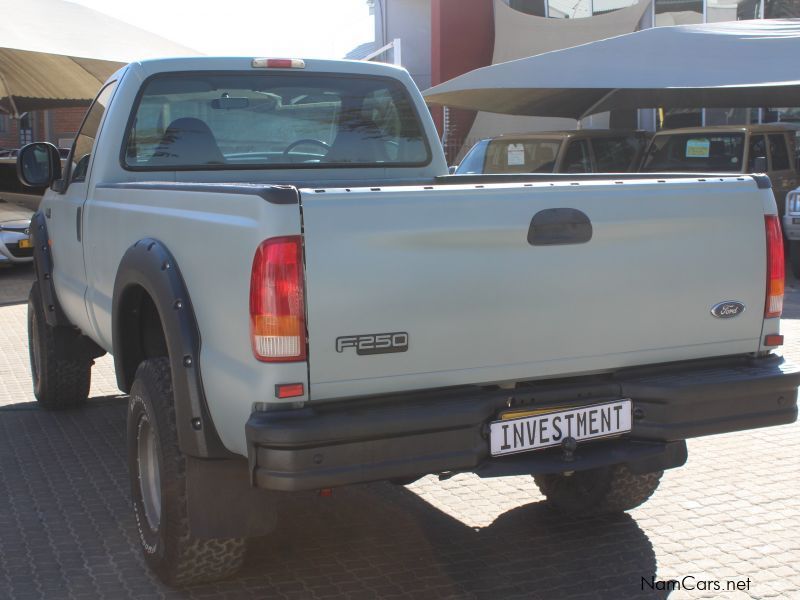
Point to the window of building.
(781, 9)
(678, 12)
(537, 8)
(568, 9)
(601, 7)
(778, 151)
(3, 123)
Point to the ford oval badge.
(727, 310)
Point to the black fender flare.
(148, 265)
(43, 270)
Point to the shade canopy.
(722, 65)
(55, 53)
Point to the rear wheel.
(61, 375)
(158, 486)
(597, 491)
(794, 258)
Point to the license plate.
(25, 243)
(545, 430)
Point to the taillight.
(277, 307)
(775, 268)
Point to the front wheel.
(600, 491)
(158, 486)
(61, 375)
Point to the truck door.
(64, 214)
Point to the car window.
(695, 152)
(84, 141)
(473, 161)
(615, 155)
(758, 149)
(778, 152)
(576, 160)
(521, 155)
(274, 120)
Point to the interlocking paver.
(66, 530)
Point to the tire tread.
(188, 560)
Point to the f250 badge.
(727, 310)
(374, 343)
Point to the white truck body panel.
(451, 267)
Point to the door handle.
(78, 222)
(559, 226)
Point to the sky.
(289, 28)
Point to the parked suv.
(736, 149)
(579, 151)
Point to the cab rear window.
(276, 120)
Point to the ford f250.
(297, 296)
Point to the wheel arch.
(152, 315)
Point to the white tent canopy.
(724, 65)
(55, 53)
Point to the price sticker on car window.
(698, 148)
(516, 155)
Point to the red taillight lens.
(289, 390)
(277, 306)
(775, 268)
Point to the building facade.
(57, 126)
(469, 34)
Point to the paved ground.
(66, 530)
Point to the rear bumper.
(443, 431)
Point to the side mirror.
(759, 164)
(38, 165)
(452, 169)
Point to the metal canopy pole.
(14, 112)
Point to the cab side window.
(577, 159)
(84, 141)
(758, 148)
(778, 151)
(615, 155)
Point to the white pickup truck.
(297, 296)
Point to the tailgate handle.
(559, 226)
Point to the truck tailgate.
(613, 274)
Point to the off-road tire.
(61, 376)
(606, 490)
(794, 258)
(169, 549)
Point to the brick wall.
(63, 124)
(8, 132)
